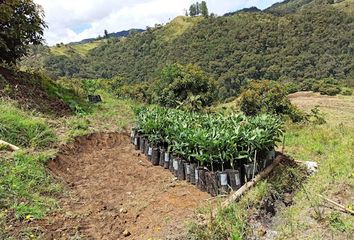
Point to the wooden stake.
(236, 195)
(10, 146)
(337, 204)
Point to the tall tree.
(197, 8)
(193, 10)
(204, 9)
(106, 33)
(21, 24)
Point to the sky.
(74, 20)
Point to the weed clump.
(22, 130)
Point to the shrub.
(316, 116)
(90, 86)
(329, 89)
(292, 88)
(139, 92)
(268, 97)
(184, 86)
(347, 91)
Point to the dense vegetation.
(268, 97)
(313, 42)
(215, 141)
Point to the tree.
(193, 10)
(197, 8)
(266, 96)
(106, 33)
(185, 86)
(204, 9)
(21, 24)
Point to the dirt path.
(112, 189)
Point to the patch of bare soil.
(115, 191)
(23, 88)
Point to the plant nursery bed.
(112, 193)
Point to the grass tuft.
(23, 129)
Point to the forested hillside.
(292, 41)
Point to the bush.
(184, 86)
(292, 88)
(139, 92)
(268, 97)
(329, 89)
(347, 91)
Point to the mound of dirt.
(28, 92)
(115, 193)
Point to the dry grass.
(337, 109)
(177, 27)
(346, 5)
(81, 49)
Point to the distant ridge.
(244, 10)
(124, 33)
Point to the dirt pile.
(28, 92)
(115, 193)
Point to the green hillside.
(313, 41)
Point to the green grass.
(112, 115)
(67, 91)
(23, 129)
(332, 147)
(27, 192)
(25, 186)
(81, 49)
(177, 27)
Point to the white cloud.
(63, 16)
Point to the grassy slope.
(346, 5)
(81, 49)
(332, 146)
(177, 27)
(27, 191)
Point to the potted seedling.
(90, 87)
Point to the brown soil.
(28, 92)
(112, 188)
